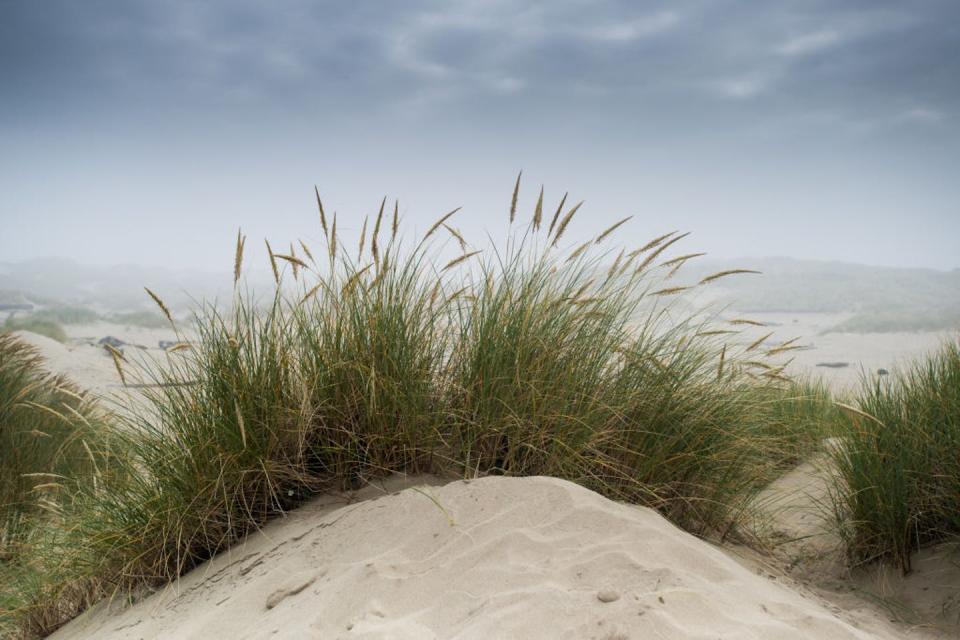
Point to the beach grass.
(898, 482)
(43, 423)
(384, 355)
(48, 436)
(802, 416)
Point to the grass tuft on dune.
(49, 432)
(520, 358)
(898, 483)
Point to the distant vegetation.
(41, 326)
(49, 282)
(883, 299)
(49, 321)
(939, 318)
(18, 297)
(66, 315)
(145, 319)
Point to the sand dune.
(91, 367)
(490, 558)
(87, 365)
(507, 558)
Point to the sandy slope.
(86, 365)
(91, 367)
(491, 558)
(801, 544)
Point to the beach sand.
(862, 353)
(489, 558)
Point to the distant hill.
(882, 298)
(50, 281)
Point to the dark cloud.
(686, 90)
(108, 55)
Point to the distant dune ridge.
(492, 558)
(60, 281)
(882, 298)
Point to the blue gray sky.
(147, 132)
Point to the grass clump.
(41, 326)
(801, 416)
(534, 360)
(522, 359)
(221, 449)
(898, 466)
(564, 368)
(43, 420)
(373, 349)
(47, 428)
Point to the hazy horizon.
(261, 268)
(147, 133)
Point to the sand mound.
(491, 558)
(89, 366)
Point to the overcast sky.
(145, 131)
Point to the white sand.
(86, 365)
(491, 558)
(91, 366)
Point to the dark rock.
(882, 372)
(116, 343)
